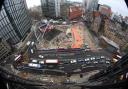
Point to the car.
(91, 58)
(34, 61)
(107, 62)
(41, 56)
(32, 51)
(80, 60)
(61, 67)
(28, 43)
(87, 46)
(88, 62)
(102, 57)
(87, 49)
(102, 61)
(64, 23)
(41, 62)
(34, 65)
(87, 59)
(74, 21)
(119, 56)
(32, 43)
(95, 62)
(108, 59)
(73, 61)
(98, 57)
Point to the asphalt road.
(83, 60)
(54, 54)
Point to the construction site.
(74, 35)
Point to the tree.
(126, 49)
(36, 15)
(69, 46)
(124, 26)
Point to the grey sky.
(118, 6)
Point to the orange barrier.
(77, 38)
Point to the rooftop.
(110, 42)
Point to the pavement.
(86, 75)
(89, 39)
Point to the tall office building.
(51, 8)
(90, 5)
(15, 22)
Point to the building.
(61, 8)
(74, 12)
(51, 8)
(97, 22)
(64, 10)
(90, 5)
(108, 44)
(5, 50)
(15, 22)
(112, 30)
(105, 10)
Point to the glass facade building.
(14, 20)
(90, 5)
(51, 8)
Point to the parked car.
(34, 65)
(41, 56)
(73, 61)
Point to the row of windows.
(14, 10)
(13, 36)
(12, 2)
(4, 22)
(5, 56)
(22, 27)
(4, 33)
(26, 27)
(2, 14)
(18, 6)
(5, 29)
(3, 46)
(3, 52)
(21, 20)
(18, 14)
(7, 32)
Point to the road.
(89, 39)
(83, 59)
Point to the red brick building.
(74, 12)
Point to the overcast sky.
(118, 6)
